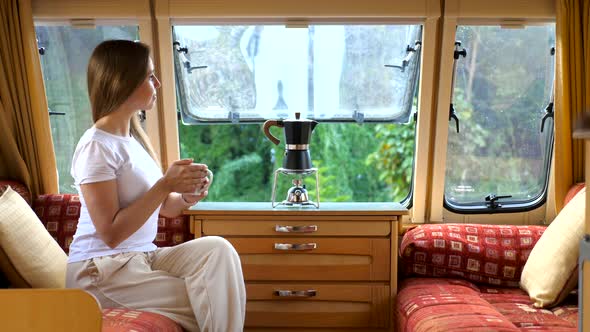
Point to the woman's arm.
(112, 223)
(115, 224)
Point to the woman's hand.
(185, 177)
(183, 196)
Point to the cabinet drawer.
(312, 305)
(296, 227)
(309, 258)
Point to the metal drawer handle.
(296, 229)
(295, 246)
(300, 293)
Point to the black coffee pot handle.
(266, 129)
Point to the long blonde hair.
(115, 69)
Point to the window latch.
(453, 116)
(492, 200)
(458, 52)
(55, 113)
(410, 51)
(55, 105)
(358, 116)
(548, 114)
(549, 108)
(41, 49)
(234, 116)
(182, 51)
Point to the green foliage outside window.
(354, 161)
(502, 89)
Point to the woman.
(199, 283)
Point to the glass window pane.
(235, 77)
(64, 63)
(502, 88)
(368, 163)
(325, 72)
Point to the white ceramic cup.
(199, 190)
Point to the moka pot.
(297, 137)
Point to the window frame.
(464, 12)
(425, 12)
(88, 12)
(422, 79)
(434, 93)
(509, 206)
(78, 25)
(178, 12)
(155, 20)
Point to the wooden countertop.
(335, 208)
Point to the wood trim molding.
(169, 143)
(442, 120)
(109, 9)
(503, 9)
(425, 124)
(152, 122)
(301, 8)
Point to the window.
(502, 93)
(64, 57)
(358, 81)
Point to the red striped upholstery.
(442, 304)
(125, 320)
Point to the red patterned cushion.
(439, 304)
(125, 320)
(60, 214)
(489, 254)
(16, 186)
(173, 231)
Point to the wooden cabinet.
(307, 269)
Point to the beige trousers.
(198, 284)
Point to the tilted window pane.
(64, 62)
(502, 89)
(342, 73)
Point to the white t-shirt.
(101, 156)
